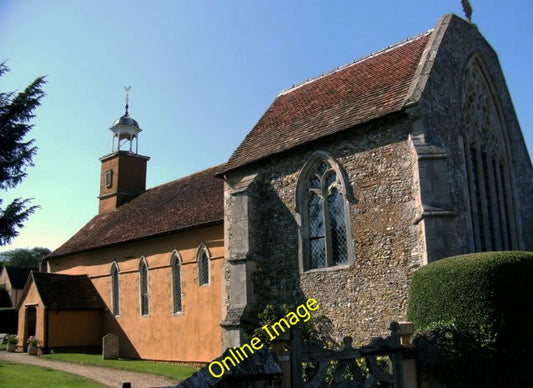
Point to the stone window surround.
(144, 296)
(486, 153)
(301, 212)
(177, 306)
(202, 249)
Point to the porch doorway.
(30, 323)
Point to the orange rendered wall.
(32, 299)
(74, 328)
(192, 335)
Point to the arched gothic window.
(202, 258)
(175, 263)
(487, 162)
(325, 235)
(143, 286)
(115, 297)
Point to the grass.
(167, 369)
(29, 376)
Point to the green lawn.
(167, 369)
(29, 376)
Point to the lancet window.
(175, 263)
(115, 296)
(202, 258)
(143, 286)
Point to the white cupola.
(125, 130)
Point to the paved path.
(107, 376)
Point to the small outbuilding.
(13, 279)
(61, 311)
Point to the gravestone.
(110, 346)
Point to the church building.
(346, 185)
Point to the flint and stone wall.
(361, 299)
(439, 119)
(411, 201)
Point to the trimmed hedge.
(493, 290)
(475, 310)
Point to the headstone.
(110, 346)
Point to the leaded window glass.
(324, 228)
(203, 266)
(176, 283)
(143, 286)
(338, 227)
(317, 238)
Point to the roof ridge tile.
(356, 61)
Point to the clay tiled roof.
(185, 203)
(67, 292)
(356, 93)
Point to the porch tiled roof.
(67, 292)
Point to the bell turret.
(123, 174)
(125, 130)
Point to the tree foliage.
(24, 257)
(474, 312)
(16, 152)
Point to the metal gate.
(339, 368)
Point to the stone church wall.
(412, 201)
(440, 120)
(362, 299)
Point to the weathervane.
(127, 89)
(467, 9)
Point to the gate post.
(408, 364)
(281, 348)
(295, 351)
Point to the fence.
(382, 360)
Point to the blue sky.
(202, 74)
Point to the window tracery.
(486, 157)
(323, 206)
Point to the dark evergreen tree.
(16, 152)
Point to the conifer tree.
(16, 152)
